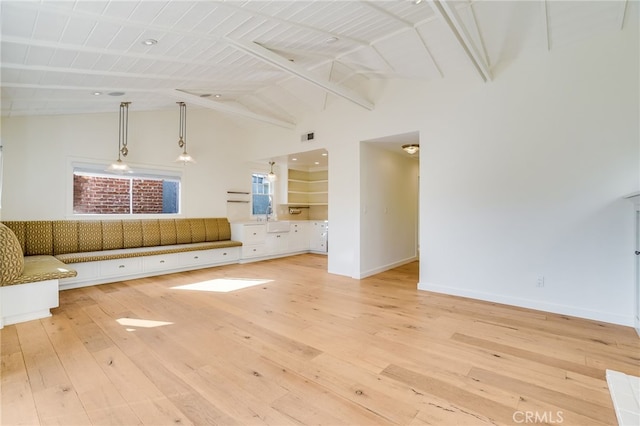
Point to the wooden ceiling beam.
(271, 58)
(448, 14)
(226, 108)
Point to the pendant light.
(271, 176)
(182, 136)
(123, 135)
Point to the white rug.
(625, 393)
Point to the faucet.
(269, 209)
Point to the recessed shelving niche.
(308, 188)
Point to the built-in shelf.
(307, 188)
(237, 197)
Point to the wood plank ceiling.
(272, 61)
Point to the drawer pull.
(224, 254)
(162, 261)
(121, 266)
(196, 257)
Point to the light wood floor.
(306, 347)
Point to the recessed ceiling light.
(294, 159)
(324, 154)
(97, 93)
(149, 42)
(316, 162)
(417, 1)
(331, 40)
(218, 95)
(116, 93)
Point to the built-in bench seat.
(94, 256)
(36, 255)
(42, 268)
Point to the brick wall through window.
(115, 195)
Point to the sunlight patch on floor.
(140, 323)
(223, 285)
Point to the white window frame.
(98, 168)
(271, 194)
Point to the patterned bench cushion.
(42, 268)
(11, 258)
(95, 256)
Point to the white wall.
(388, 209)
(38, 150)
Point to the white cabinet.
(277, 243)
(258, 242)
(208, 257)
(299, 237)
(318, 237)
(106, 271)
(253, 237)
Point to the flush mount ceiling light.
(182, 136)
(271, 176)
(411, 148)
(123, 135)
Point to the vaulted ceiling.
(272, 61)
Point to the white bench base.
(26, 302)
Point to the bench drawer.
(160, 262)
(121, 266)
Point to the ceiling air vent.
(307, 137)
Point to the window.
(137, 193)
(261, 194)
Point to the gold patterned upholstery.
(43, 268)
(11, 257)
(73, 241)
(18, 228)
(89, 235)
(65, 235)
(211, 229)
(85, 241)
(150, 233)
(224, 229)
(131, 233)
(198, 232)
(183, 231)
(126, 253)
(112, 237)
(39, 237)
(167, 232)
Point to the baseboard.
(365, 274)
(531, 304)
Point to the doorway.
(389, 203)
